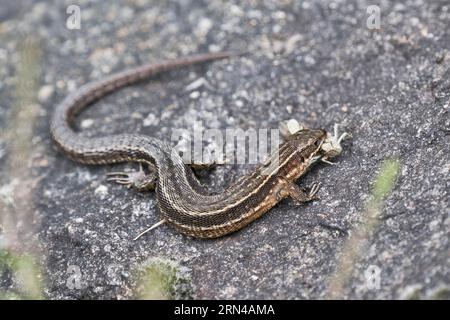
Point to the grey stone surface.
(315, 61)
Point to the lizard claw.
(123, 178)
(313, 192)
(136, 179)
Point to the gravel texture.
(315, 61)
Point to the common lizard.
(183, 201)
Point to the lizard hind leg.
(139, 180)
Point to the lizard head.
(307, 143)
(319, 144)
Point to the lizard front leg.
(290, 189)
(299, 195)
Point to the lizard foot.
(299, 195)
(137, 179)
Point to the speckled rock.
(315, 61)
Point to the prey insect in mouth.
(184, 203)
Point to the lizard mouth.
(331, 146)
